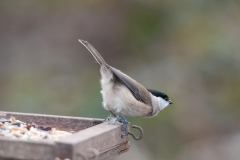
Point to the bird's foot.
(120, 119)
(125, 123)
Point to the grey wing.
(138, 91)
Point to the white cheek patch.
(162, 103)
(158, 104)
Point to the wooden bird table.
(93, 139)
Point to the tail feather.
(94, 52)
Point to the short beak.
(170, 102)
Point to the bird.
(124, 96)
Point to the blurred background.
(187, 49)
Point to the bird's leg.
(112, 113)
(123, 120)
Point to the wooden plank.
(64, 123)
(113, 152)
(19, 149)
(101, 137)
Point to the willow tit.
(125, 96)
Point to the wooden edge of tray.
(101, 137)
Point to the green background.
(187, 49)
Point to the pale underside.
(117, 97)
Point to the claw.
(125, 126)
(125, 123)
